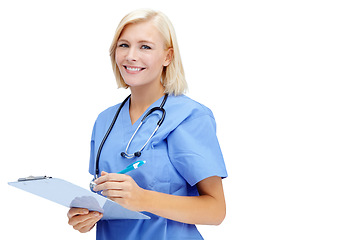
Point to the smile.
(133, 69)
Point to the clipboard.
(70, 195)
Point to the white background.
(282, 78)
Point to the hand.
(122, 189)
(82, 219)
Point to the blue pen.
(129, 168)
(132, 166)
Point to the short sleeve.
(194, 150)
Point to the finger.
(122, 201)
(86, 228)
(114, 193)
(79, 221)
(95, 217)
(112, 177)
(77, 211)
(108, 185)
(92, 223)
(89, 223)
(102, 178)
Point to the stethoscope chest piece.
(92, 184)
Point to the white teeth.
(133, 69)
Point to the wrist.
(145, 201)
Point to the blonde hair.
(173, 77)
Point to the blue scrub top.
(184, 151)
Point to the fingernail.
(96, 214)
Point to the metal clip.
(31, 178)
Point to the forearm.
(207, 208)
(203, 209)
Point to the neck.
(142, 98)
(145, 96)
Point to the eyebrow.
(141, 41)
(145, 41)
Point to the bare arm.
(208, 208)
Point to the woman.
(181, 183)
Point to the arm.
(208, 208)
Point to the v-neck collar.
(126, 115)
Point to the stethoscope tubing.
(106, 136)
(138, 153)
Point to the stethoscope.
(137, 153)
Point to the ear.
(169, 57)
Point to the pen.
(129, 168)
(132, 166)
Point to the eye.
(122, 45)
(145, 47)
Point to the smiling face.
(141, 55)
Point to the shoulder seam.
(199, 116)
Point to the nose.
(132, 55)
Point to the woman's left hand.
(122, 189)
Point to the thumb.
(103, 173)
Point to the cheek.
(156, 63)
(119, 58)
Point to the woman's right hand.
(82, 219)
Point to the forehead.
(143, 31)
